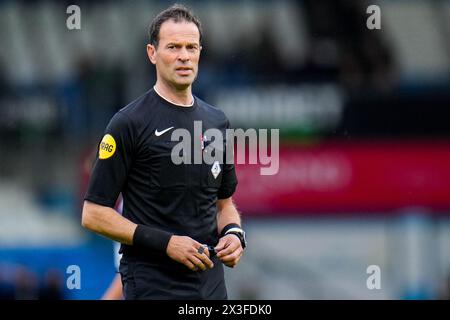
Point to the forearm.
(107, 222)
(227, 213)
(230, 247)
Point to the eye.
(173, 46)
(192, 48)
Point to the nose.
(183, 55)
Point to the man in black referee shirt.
(179, 223)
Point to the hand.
(229, 250)
(185, 250)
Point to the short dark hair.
(177, 13)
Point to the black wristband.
(152, 238)
(228, 227)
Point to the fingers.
(231, 257)
(194, 263)
(204, 258)
(229, 248)
(189, 264)
(232, 261)
(220, 246)
(223, 243)
(189, 252)
(203, 249)
(234, 256)
(200, 261)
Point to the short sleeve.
(229, 178)
(113, 162)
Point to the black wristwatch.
(240, 234)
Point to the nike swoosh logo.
(158, 133)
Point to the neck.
(182, 98)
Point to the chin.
(183, 83)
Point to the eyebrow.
(180, 44)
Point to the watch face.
(244, 240)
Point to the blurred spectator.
(26, 284)
(264, 58)
(341, 43)
(101, 88)
(52, 286)
(21, 283)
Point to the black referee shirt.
(134, 159)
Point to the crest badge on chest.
(215, 169)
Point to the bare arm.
(227, 213)
(229, 249)
(107, 222)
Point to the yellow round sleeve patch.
(107, 147)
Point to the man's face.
(178, 53)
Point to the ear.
(151, 53)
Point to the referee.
(179, 223)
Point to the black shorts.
(143, 279)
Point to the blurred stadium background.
(364, 119)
